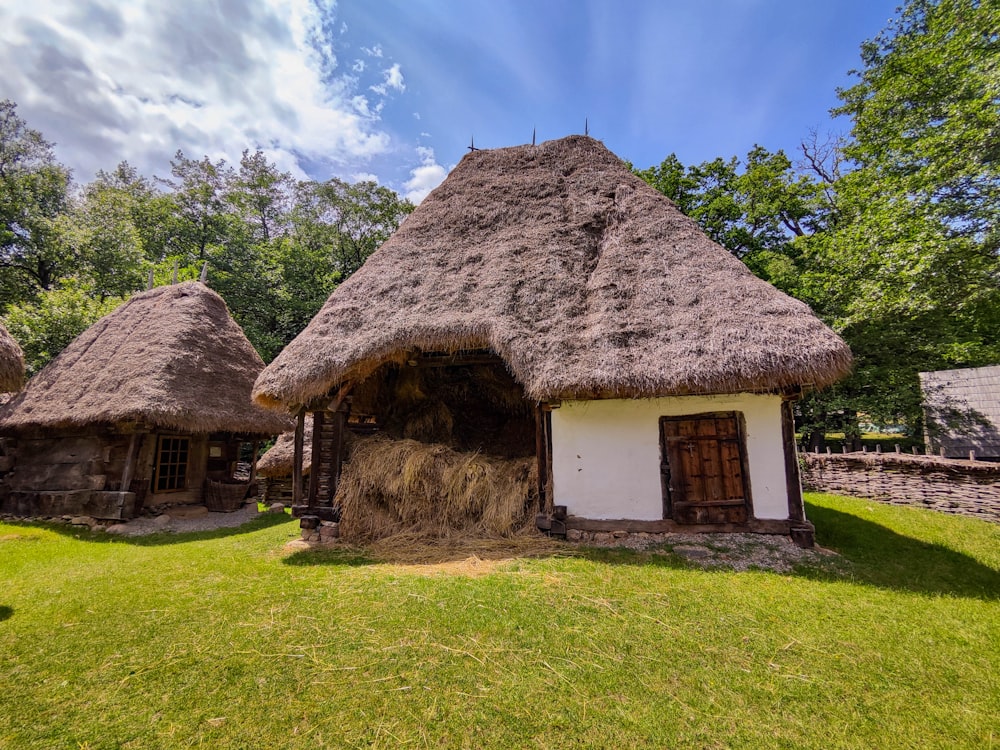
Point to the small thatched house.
(275, 467)
(11, 363)
(546, 308)
(149, 406)
(962, 412)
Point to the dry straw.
(583, 278)
(11, 362)
(171, 357)
(391, 487)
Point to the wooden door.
(703, 464)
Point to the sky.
(396, 90)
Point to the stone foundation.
(968, 488)
(317, 531)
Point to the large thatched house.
(147, 406)
(11, 363)
(545, 303)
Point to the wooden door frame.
(741, 431)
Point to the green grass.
(220, 640)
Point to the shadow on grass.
(262, 521)
(882, 557)
(5, 612)
(870, 554)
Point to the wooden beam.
(793, 484)
(315, 457)
(540, 454)
(300, 429)
(753, 526)
(550, 493)
(253, 461)
(130, 458)
(339, 421)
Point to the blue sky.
(395, 89)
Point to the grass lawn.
(221, 640)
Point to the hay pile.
(404, 486)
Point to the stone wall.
(970, 488)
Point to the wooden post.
(972, 455)
(540, 454)
(253, 461)
(898, 448)
(130, 457)
(316, 458)
(339, 424)
(942, 451)
(878, 448)
(300, 429)
(793, 484)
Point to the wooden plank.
(253, 461)
(315, 458)
(550, 493)
(540, 457)
(130, 459)
(752, 525)
(297, 455)
(337, 445)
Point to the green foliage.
(925, 116)
(33, 195)
(44, 325)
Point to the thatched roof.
(584, 279)
(11, 363)
(171, 358)
(278, 460)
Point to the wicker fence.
(970, 488)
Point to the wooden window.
(171, 463)
(704, 468)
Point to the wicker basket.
(224, 497)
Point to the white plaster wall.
(606, 454)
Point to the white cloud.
(375, 51)
(425, 177)
(364, 177)
(394, 78)
(416, 115)
(108, 81)
(359, 66)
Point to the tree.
(261, 195)
(200, 218)
(106, 229)
(914, 254)
(757, 208)
(926, 118)
(33, 193)
(45, 325)
(354, 219)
